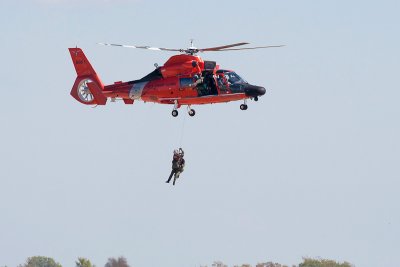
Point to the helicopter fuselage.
(183, 80)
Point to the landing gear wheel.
(191, 112)
(174, 113)
(243, 106)
(256, 98)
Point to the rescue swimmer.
(178, 164)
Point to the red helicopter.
(185, 79)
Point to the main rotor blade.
(248, 48)
(142, 47)
(217, 48)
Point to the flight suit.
(178, 164)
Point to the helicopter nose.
(253, 90)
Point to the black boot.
(170, 176)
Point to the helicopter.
(184, 79)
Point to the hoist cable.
(182, 130)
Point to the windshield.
(233, 78)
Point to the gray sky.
(312, 169)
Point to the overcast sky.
(312, 169)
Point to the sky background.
(312, 169)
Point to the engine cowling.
(181, 65)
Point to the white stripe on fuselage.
(201, 97)
(136, 91)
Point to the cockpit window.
(233, 78)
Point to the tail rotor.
(84, 92)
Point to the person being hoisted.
(178, 164)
